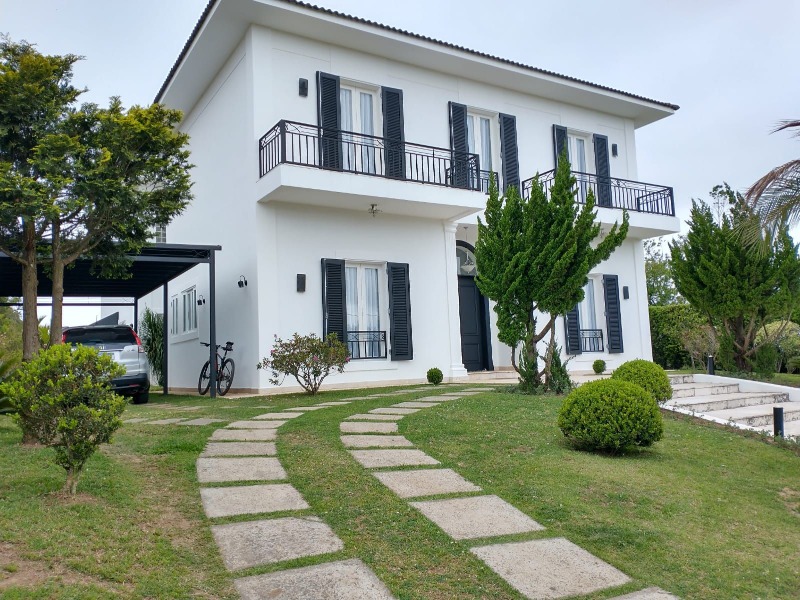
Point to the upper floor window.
(159, 234)
(479, 138)
(358, 115)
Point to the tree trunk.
(30, 284)
(56, 318)
(71, 485)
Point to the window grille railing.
(366, 344)
(591, 340)
(612, 192)
(313, 146)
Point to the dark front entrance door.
(474, 350)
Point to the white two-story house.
(341, 165)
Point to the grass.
(707, 513)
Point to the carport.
(152, 268)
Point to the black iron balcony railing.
(612, 192)
(313, 146)
(366, 344)
(591, 340)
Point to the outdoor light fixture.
(201, 300)
(242, 281)
(303, 87)
(614, 151)
(373, 210)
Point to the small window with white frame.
(173, 314)
(183, 312)
(366, 310)
(159, 234)
(481, 140)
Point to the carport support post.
(212, 322)
(165, 341)
(136, 315)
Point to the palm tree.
(775, 198)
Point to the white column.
(457, 370)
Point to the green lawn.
(707, 513)
(790, 379)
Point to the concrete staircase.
(724, 402)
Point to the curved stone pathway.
(245, 452)
(538, 569)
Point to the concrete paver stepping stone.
(372, 459)
(437, 399)
(279, 415)
(202, 421)
(255, 424)
(464, 393)
(334, 403)
(366, 427)
(368, 417)
(251, 499)
(240, 449)
(425, 482)
(394, 411)
(550, 568)
(415, 404)
(306, 408)
(254, 543)
(476, 517)
(340, 580)
(481, 390)
(370, 441)
(165, 421)
(244, 435)
(651, 593)
(188, 407)
(136, 420)
(257, 468)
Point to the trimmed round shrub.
(435, 376)
(610, 415)
(648, 375)
(599, 366)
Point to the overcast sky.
(728, 64)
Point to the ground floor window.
(183, 312)
(365, 338)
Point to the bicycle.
(225, 370)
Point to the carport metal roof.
(152, 268)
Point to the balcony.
(352, 170)
(651, 207)
(364, 345)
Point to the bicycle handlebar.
(228, 345)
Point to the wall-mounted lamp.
(201, 300)
(303, 87)
(301, 282)
(625, 294)
(242, 281)
(614, 150)
(373, 210)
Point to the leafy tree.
(79, 181)
(534, 255)
(152, 334)
(735, 286)
(307, 358)
(668, 327)
(660, 287)
(10, 330)
(775, 197)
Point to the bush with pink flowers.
(307, 358)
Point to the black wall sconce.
(201, 300)
(303, 87)
(301, 282)
(242, 281)
(614, 150)
(625, 294)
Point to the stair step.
(791, 429)
(678, 379)
(690, 390)
(760, 414)
(704, 404)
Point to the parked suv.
(125, 347)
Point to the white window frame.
(383, 299)
(362, 157)
(184, 323)
(159, 234)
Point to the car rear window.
(99, 336)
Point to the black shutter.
(613, 313)
(459, 164)
(510, 151)
(559, 142)
(572, 325)
(393, 132)
(400, 312)
(329, 121)
(334, 299)
(603, 170)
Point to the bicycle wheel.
(205, 379)
(225, 376)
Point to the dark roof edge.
(417, 36)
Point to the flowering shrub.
(307, 358)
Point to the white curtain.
(580, 165)
(367, 128)
(371, 309)
(346, 109)
(587, 310)
(351, 281)
(486, 145)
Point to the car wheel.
(141, 398)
